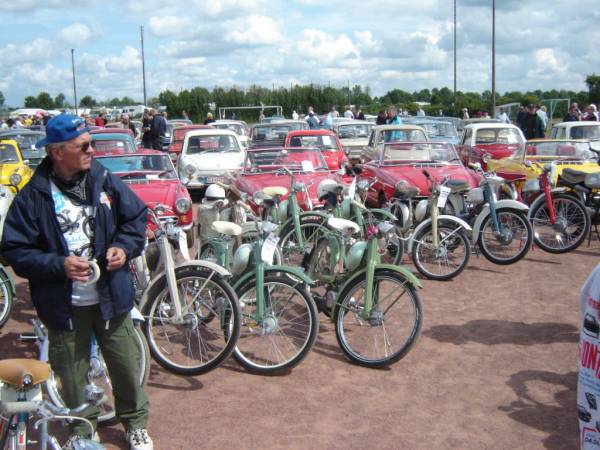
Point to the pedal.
(28, 337)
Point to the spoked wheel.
(394, 245)
(98, 374)
(285, 333)
(293, 253)
(512, 241)
(445, 261)
(205, 334)
(6, 299)
(389, 330)
(570, 228)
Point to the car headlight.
(183, 205)
(190, 169)
(15, 179)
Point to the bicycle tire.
(552, 241)
(487, 247)
(311, 229)
(446, 231)
(348, 337)
(225, 307)
(107, 415)
(6, 298)
(249, 355)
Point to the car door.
(465, 145)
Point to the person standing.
(465, 114)
(56, 262)
(158, 130)
(521, 116)
(573, 114)
(295, 115)
(348, 113)
(128, 124)
(532, 124)
(313, 121)
(360, 115)
(147, 128)
(381, 117)
(393, 119)
(100, 121)
(543, 115)
(502, 116)
(209, 119)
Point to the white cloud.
(169, 25)
(75, 34)
(129, 58)
(37, 51)
(253, 30)
(324, 47)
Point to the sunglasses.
(86, 145)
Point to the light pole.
(454, 57)
(493, 58)
(143, 63)
(74, 84)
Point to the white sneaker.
(71, 444)
(139, 439)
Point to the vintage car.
(263, 168)
(324, 140)
(473, 121)
(113, 143)
(112, 130)
(383, 134)
(406, 161)
(14, 171)
(237, 126)
(273, 134)
(27, 140)
(179, 136)
(208, 156)
(354, 136)
(437, 130)
(484, 141)
(152, 176)
(586, 129)
(530, 160)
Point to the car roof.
(20, 131)
(419, 121)
(311, 133)
(353, 122)
(210, 132)
(111, 136)
(240, 122)
(138, 152)
(579, 123)
(404, 126)
(476, 126)
(557, 140)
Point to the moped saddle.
(14, 371)
(227, 228)
(458, 186)
(572, 176)
(342, 225)
(274, 191)
(407, 191)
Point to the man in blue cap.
(73, 211)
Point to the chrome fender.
(513, 204)
(405, 214)
(290, 271)
(211, 266)
(441, 218)
(542, 199)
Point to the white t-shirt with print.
(76, 226)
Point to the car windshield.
(113, 145)
(235, 127)
(272, 132)
(587, 132)
(25, 141)
(550, 150)
(211, 144)
(402, 136)
(294, 159)
(140, 166)
(439, 129)
(498, 136)
(354, 131)
(9, 153)
(401, 153)
(324, 143)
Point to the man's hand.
(77, 268)
(116, 258)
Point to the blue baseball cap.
(63, 128)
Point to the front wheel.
(448, 259)
(207, 331)
(283, 335)
(386, 333)
(6, 298)
(293, 252)
(570, 228)
(511, 241)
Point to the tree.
(59, 101)
(30, 102)
(593, 83)
(87, 102)
(44, 101)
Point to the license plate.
(444, 192)
(267, 252)
(213, 179)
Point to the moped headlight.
(258, 197)
(362, 185)
(183, 205)
(592, 180)
(15, 179)
(298, 186)
(241, 258)
(421, 210)
(190, 169)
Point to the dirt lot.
(494, 368)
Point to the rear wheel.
(287, 330)
(392, 326)
(6, 298)
(293, 253)
(571, 226)
(511, 242)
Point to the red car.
(151, 175)
(112, 131)
(406, 161)
(263, 167)
(325, 140)
(179, 136)
(498, 140)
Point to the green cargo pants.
(69, 353)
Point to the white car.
(238, 126)
(209, 155)
(354, 136)
(585, 129)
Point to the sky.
(385, 44)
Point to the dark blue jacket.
(34, 246)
